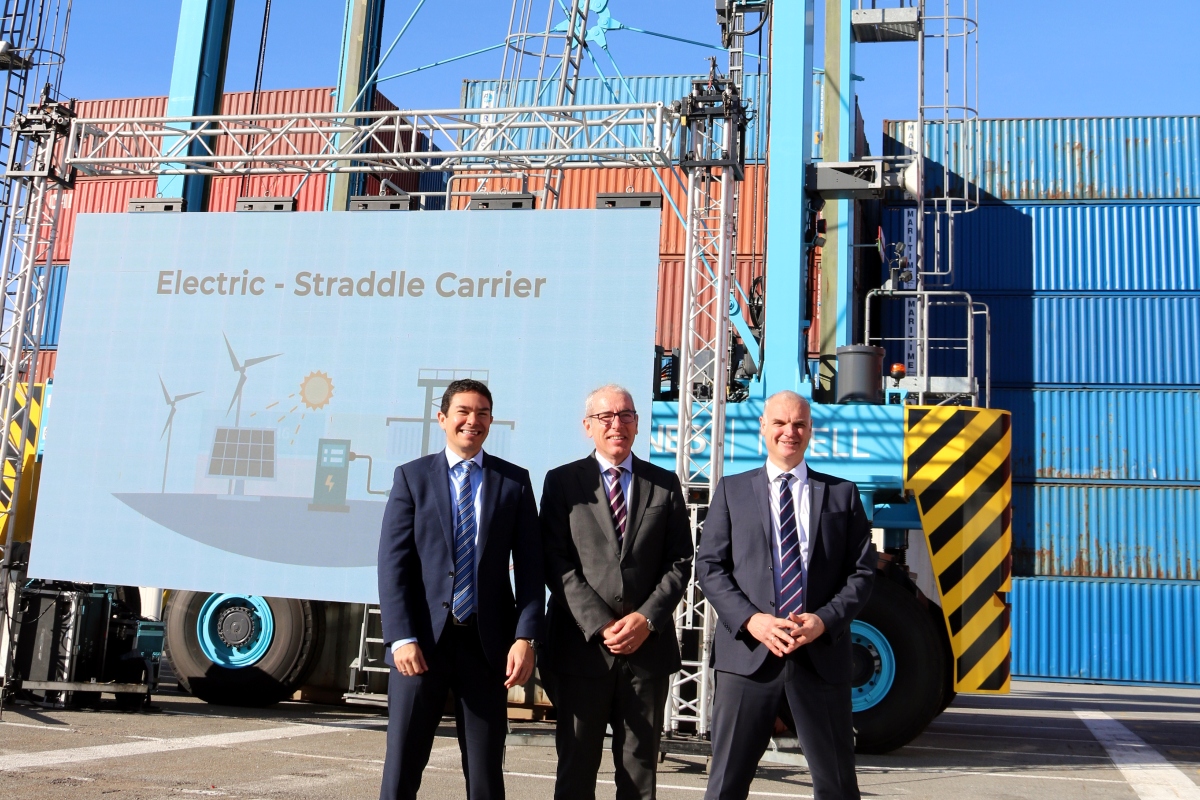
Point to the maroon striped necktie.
(616, 502)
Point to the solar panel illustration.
(243, 453)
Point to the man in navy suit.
(450, 617)
(787, 562)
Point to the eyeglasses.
(607, 417)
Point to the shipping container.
(1096, 339)
(1106, 630)
(309, 190)
(1131, 435)
(579, 187)
(1085, 247)
(111, 195)
(1106, 530)
(56, 289)
(43, 367)
(593, 90)
(669, 317)
(1059, 159)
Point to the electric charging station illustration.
(332, 476)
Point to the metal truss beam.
(376, 141)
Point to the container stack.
(1086, 248)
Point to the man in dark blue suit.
(450, 617)
(786, 560)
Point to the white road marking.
(1148, 773)
(328, 758)
(50, 758)
(1002, 752)
(977, 773)
(55, 728)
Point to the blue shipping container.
(1106, 630)
(55, 292)
(1093, 158)
(1106, 531)
(1129, 435)
(1089, 247)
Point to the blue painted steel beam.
(197, 81)
(362, 32)
(791, 134)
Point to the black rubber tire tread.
(917, 691)
(295, 647)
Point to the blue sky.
(1037, 57)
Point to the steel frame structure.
(445, 140)
(711, 154)
(30, 199)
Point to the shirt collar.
(606, 465)
(800, 472)
(453, 458)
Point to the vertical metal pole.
(919, 260)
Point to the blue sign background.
(142, 327)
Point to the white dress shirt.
(477, 487)
(802, 503)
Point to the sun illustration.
(316, 390)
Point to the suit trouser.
(585, 707)
(744, 712)
(415, 705)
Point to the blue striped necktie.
(791, 565)
(464, 543)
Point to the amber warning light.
(898, 372)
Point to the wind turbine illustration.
(169, 428)
(240, 368)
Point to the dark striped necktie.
(616, 502)
(791, 565)
(464, 542)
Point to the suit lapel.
(491, 496)
(593, 483)
(440, 476)
(816, 488)
(762, 493)
(641, 488)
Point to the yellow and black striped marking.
(27, 417)
(957, 464)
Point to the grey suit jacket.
(734, 567)
(592, 582)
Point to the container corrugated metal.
(44, 368)
(1132, 435)
(669, 312)
(224, 192)
(1106, 531)
(1092, 158)
(593, 90)
(580, 186)
(1118, 247)
(56, 290)
(122, 107)
(1106, 630)
(1099, 340)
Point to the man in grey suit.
(618, 551)
(786, 560)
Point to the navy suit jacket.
(416, 557)
(734, 566)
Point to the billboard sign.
(234, 391)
